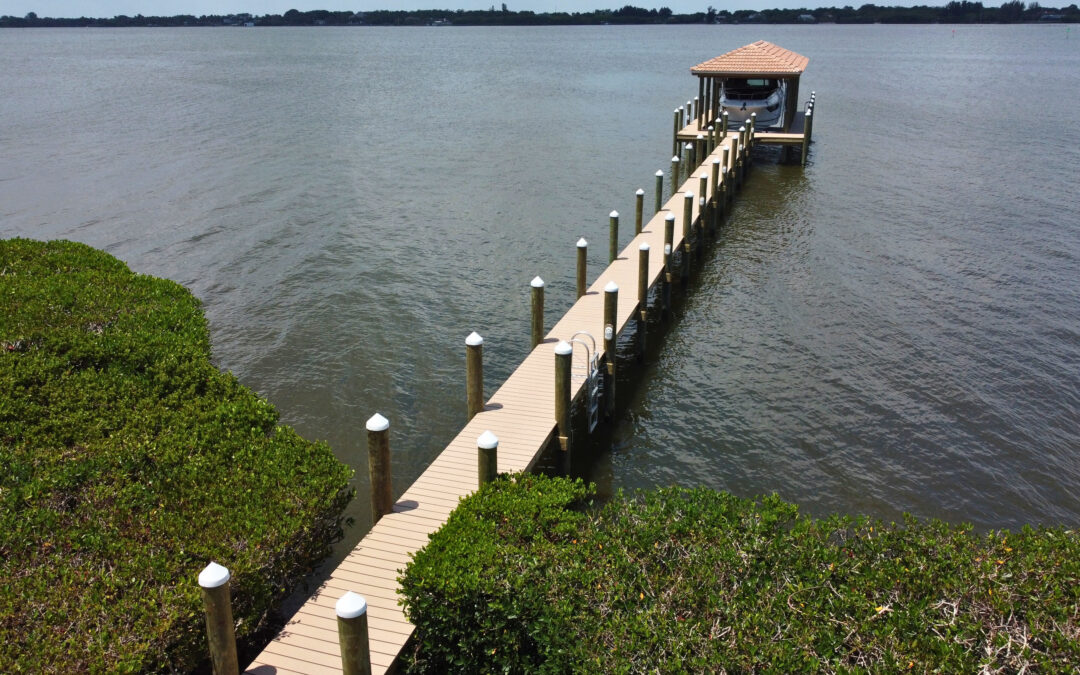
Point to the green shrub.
(682, 580)
(127, 463)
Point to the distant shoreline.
(955, 12)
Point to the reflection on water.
(893, 328)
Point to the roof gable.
(758, 58)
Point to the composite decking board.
(521, 412)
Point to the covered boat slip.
(758, 60)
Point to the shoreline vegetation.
(128, 461)
(955, 12)
(527, 575)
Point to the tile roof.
(759, 58)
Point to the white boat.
(741, 97)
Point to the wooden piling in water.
(674, 174)
(613, 236)
(382, 497)
(487, 457)
(474, 373)
(351, 610)
(808, 122)
(659, 190)
(669, 240)
(717, 204)
(537, 333)
(582, 261)
(611, 300)
(643, 298)
(688, 163)
(639, 208)
(214, 582)
(675, 126)
(688, 214)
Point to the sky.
(110, 8)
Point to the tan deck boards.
(521, 413)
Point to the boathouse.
(760, 59)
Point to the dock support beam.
(474, 373)
(214, 582)
(351, 610)
(382, 496)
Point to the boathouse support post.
(564, 354)
(808, 122)
(643, 297)
(474, 373)
(659, 189)
(674, 174)
(687, 218)
(613, 236)
(639, 210)
(487, 457)
(214, 582)
(669, 238)
(582, 262)
(611, 302)
(537, 332)
(382, 497)
(352, 623)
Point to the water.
(893, 328)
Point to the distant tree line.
(957, 11)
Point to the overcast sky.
(110, 8)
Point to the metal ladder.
(587, 371)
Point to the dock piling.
(537, 337)
(382, 499)
(351, 610)
(214, 582)
(717, 205)
(564, 354)
(639, 208)
(669, 238)
(674, 173)
(687, 220)
(474, 373)
(808, 122)
(582, 262)
(676, 126)
(643, 297)
(613, 236)
(659, 190)
(611, 301)
(487, 462)
(688, 164)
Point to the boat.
(741, 97)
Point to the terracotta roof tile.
(759, 58)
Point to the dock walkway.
(521, 413)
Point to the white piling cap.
(213, 575)
(669, 216)
(351, 606)
(689, 194)
(659, 172)
(701, 137)
(611, 287)
(474, 340)
(702, 201)
(667, 249)
(537, 282)
(613, 214)
(643, 247)
(674, 158)
(716, 160)
(742, 128)
(378, 423)
(710, 127)
(640, 192)
(688, 145)
(581, 243)
(487, 440)
(563, 348)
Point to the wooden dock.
(521, 413)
